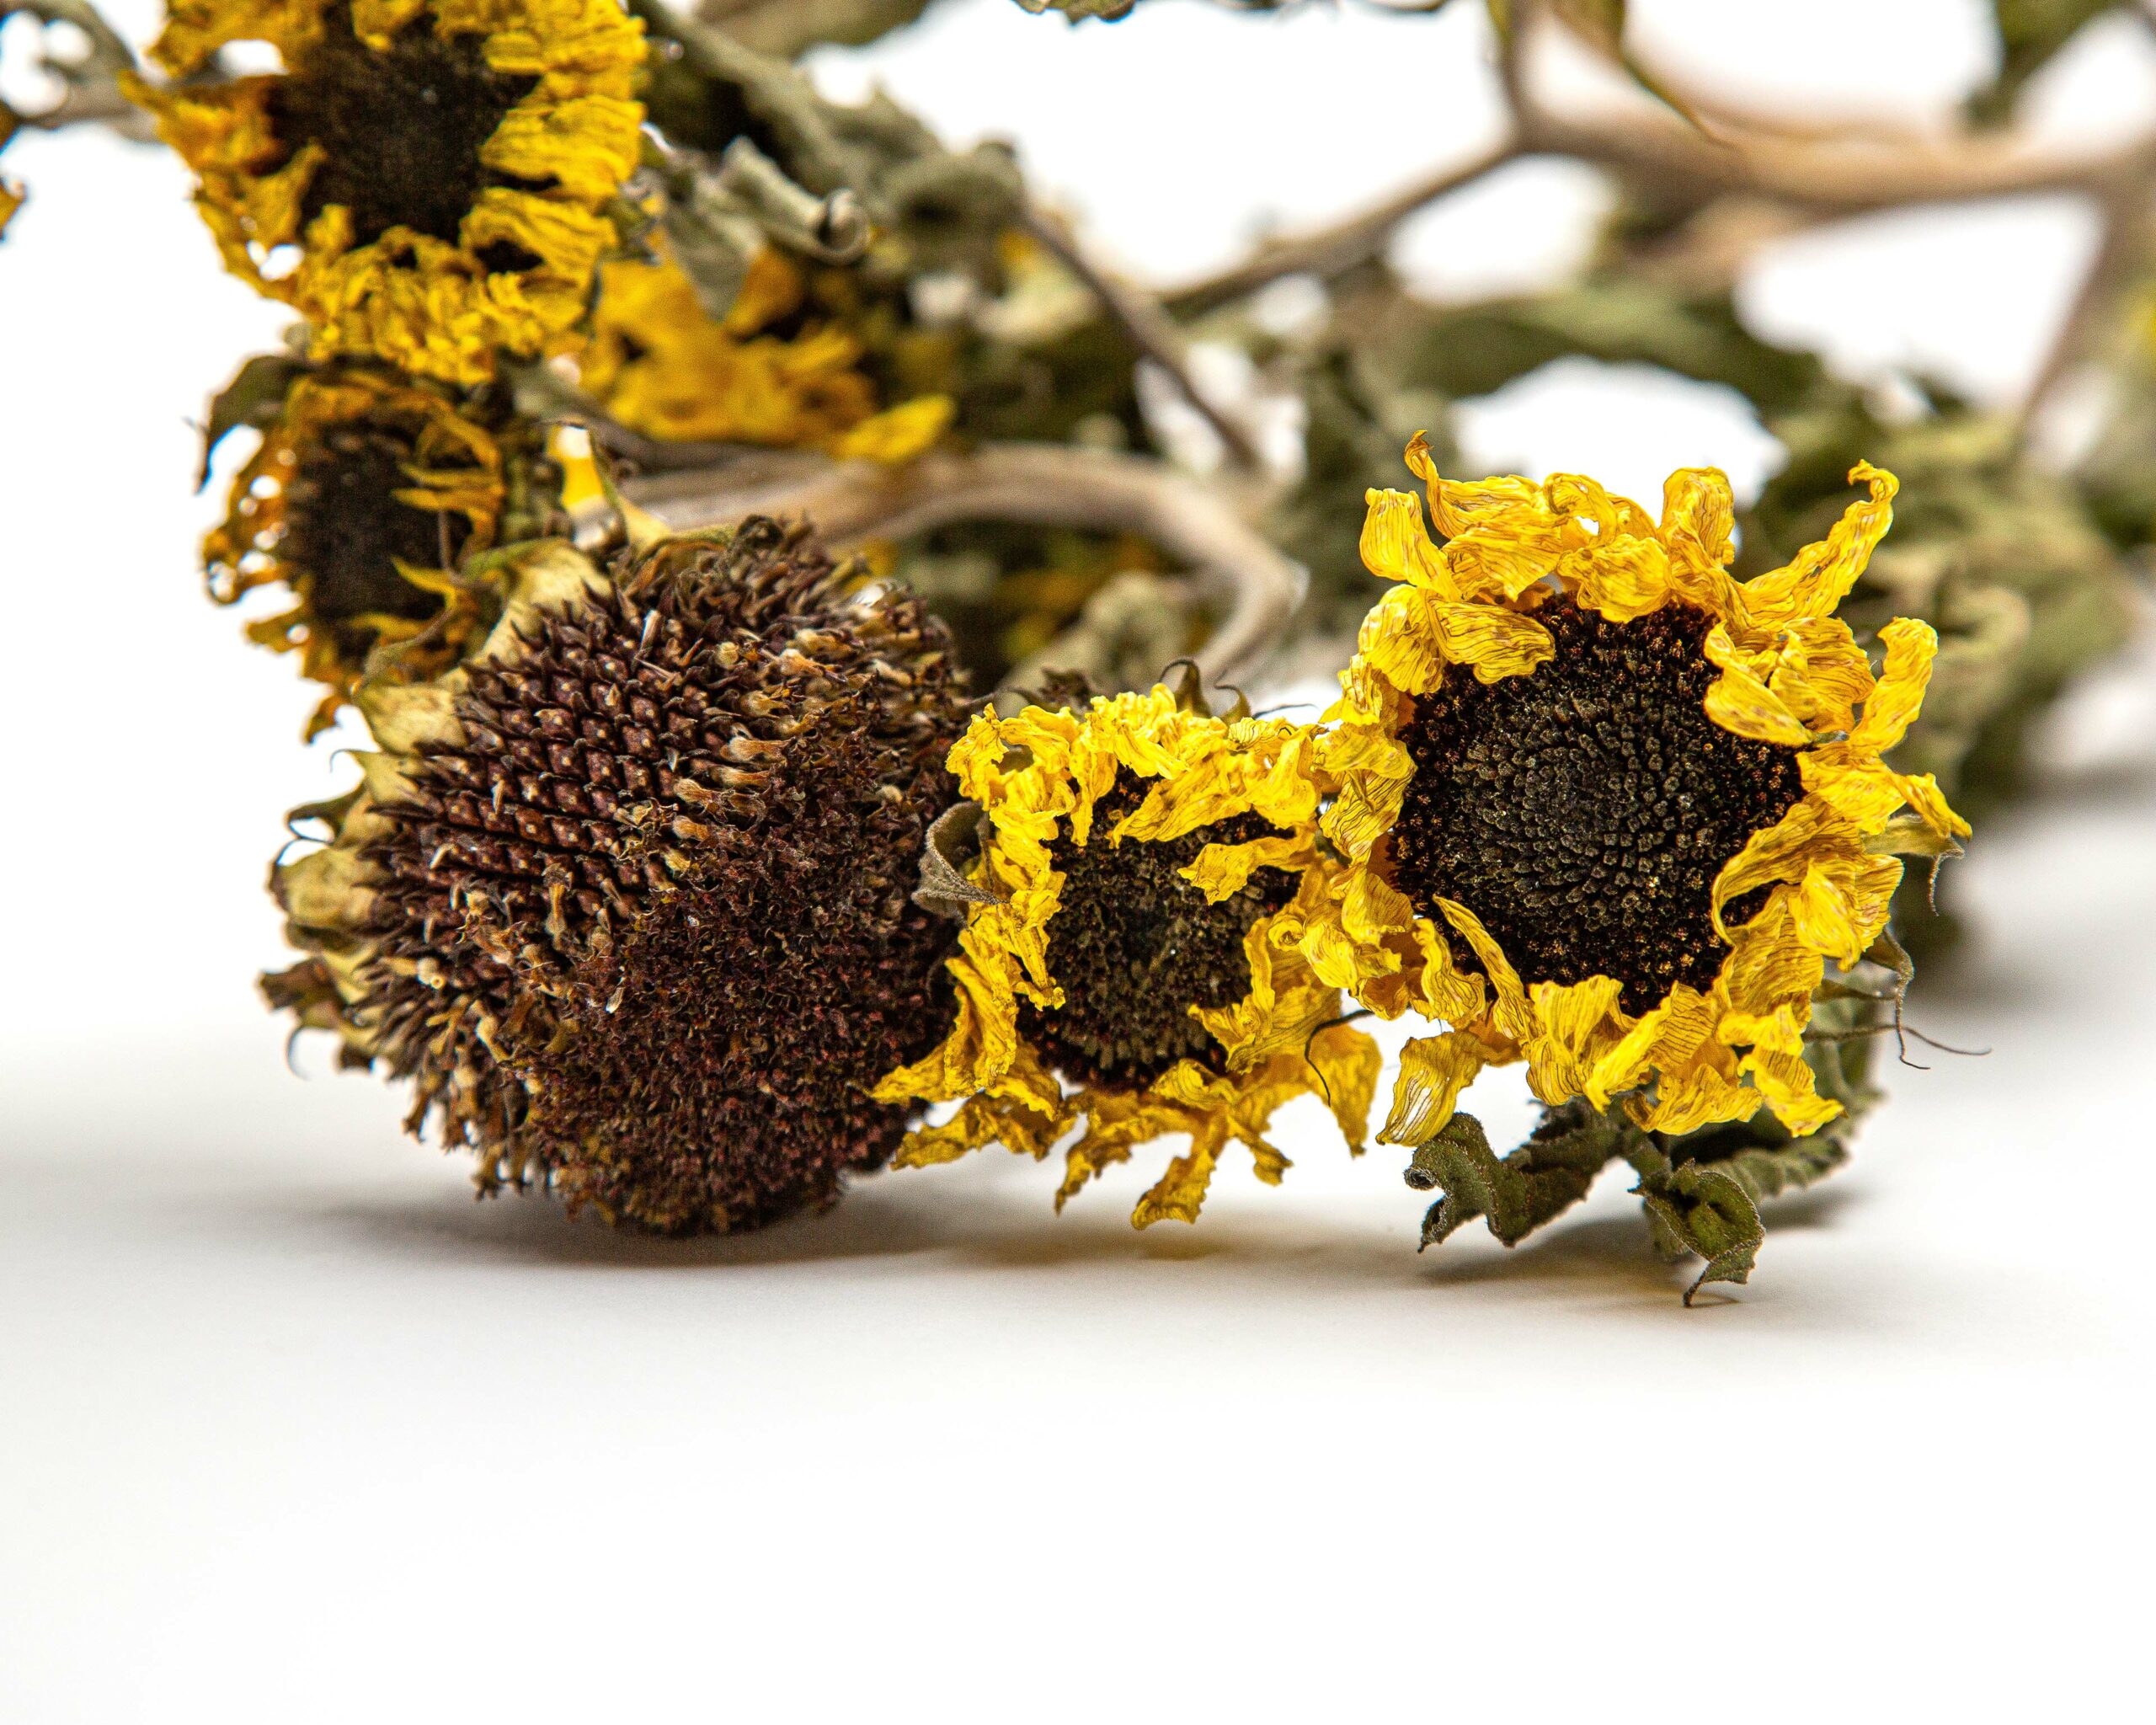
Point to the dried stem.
(1149, 327)
(1255, 588)
(1806, 176)
(2120, 253)
(1333, 251)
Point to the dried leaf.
(1517, 1192)
(253, 398)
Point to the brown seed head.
(635, 912)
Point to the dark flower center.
(345, 529)
(400, 128)
(1135, 946)
(1583, 811)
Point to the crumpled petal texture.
(1038, 776)
(518, 274)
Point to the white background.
(292, 1430)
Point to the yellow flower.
(659, 364)
(426, 180)
(11, 194)
(1147, 869)
(1607, 810)
(363, 500)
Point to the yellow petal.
(1573, 1026)
(1348, 1063)
(1514, 1016)
(1911, 646)
(1434, 1071)
(1396, 547)
(1699, 515)
(897, 433)
(1823, 573)
(1739, 702)
(1221, 871)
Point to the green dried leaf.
(943, 209)
(253, 398)
(1706, 1208)
(789, 28)
(1711, 1207)
(2030, 33)
(1517, 1192)
(1108, 11)
(1470, 350)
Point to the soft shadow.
(1816, 1207)
(1615, 1254)
(535, 1230)
(1007, 1226)
(1010, 1229)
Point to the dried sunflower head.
(1145, 873)
(364, 498)
(11, 193)
(626, 895)
(768, 373)
(441, 168)
(1607, 810)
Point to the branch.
(1331, 252)
(1149, 327)
(1845, 177)
(1255, 588)
(92, 94)
(1792, 177)
(2120, 253)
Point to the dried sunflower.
(662, 365)
(364, 499)
(1626, 846)
(11, 193)
(625, 894)
(441, 167)
(1146, 870)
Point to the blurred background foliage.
(930, 305)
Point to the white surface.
(292, 1430)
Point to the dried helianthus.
(11, 193)
(662, 365)
(626, 895)
(439, 170)
(1606, 808)
(364, 499)
(1145, 871)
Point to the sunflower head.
(365, 500)
(427, 181)
(623, 893)
(1606, 808)
(771, 373)
(1131, 958)
(11, 194)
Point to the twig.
(2121, 251)
(1149, 327)
(1255, 588)
(1804, 176)
(95, 105)
(1333, 251)
(1841, 175)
